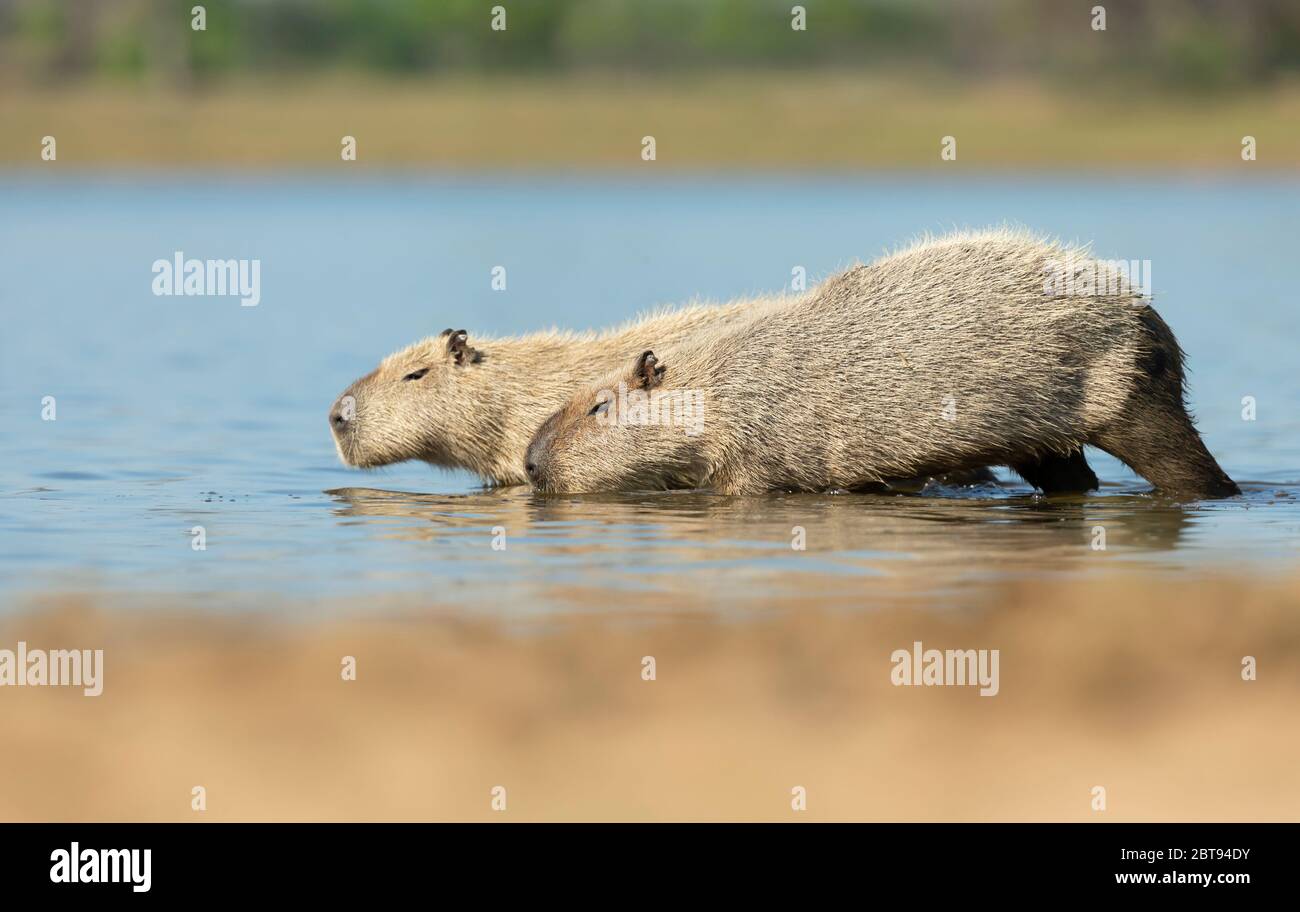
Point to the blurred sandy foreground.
(756, 120)
(1128, 684)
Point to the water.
(176, 412)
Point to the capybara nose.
(531, 469)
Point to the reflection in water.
(730, 549)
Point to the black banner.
(338, 860)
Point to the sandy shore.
(766, 120)
(1131, 685)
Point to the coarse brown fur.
(949, 355)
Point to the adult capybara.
(968, 350)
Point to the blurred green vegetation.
(1194, 44)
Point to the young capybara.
(968, 350)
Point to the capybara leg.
(1053, 474)
(1160, 443)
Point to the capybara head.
(635, 430)
(416, 405)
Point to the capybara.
(967, 350)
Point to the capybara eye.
(416, 375)
(599, 408)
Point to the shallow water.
(175, 412)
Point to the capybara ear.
(648, 372)
(459, 348)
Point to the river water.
(176, 412)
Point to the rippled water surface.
(175, 412)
